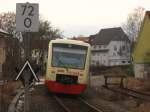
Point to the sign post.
(27, 20)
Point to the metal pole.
(26, 99)
(26, 102)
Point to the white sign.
(27, 17)
(23, 68)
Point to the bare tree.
(133, 23)
(7, 23)
(37, 40)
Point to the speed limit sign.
(27, 17)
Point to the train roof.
(69, 41)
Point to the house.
(110, 47)
(9, 54)
(141, 54)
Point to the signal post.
(27, 20)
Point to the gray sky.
(81, 17)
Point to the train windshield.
(69, 56)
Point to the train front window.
(68, 57)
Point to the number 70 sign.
(27, 17)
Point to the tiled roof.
(110, 34)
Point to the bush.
(130, 71)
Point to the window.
(123, 61)
(123, 47)
(115, 48)
(66, 57)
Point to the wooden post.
(121, 82)
(106, 81)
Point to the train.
(68, 66)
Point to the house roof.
(109, 34)
(2, 32)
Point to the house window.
(123, 61)
(115, 48)
(123, 48)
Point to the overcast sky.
(81, 17)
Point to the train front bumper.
(64, 88)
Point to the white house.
(110, 47)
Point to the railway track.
(17, 103)
(76, 104)
(45, 102)
(130, 92)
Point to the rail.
(130, 92)
(68, 109)
(93, 107)
(12, 107)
